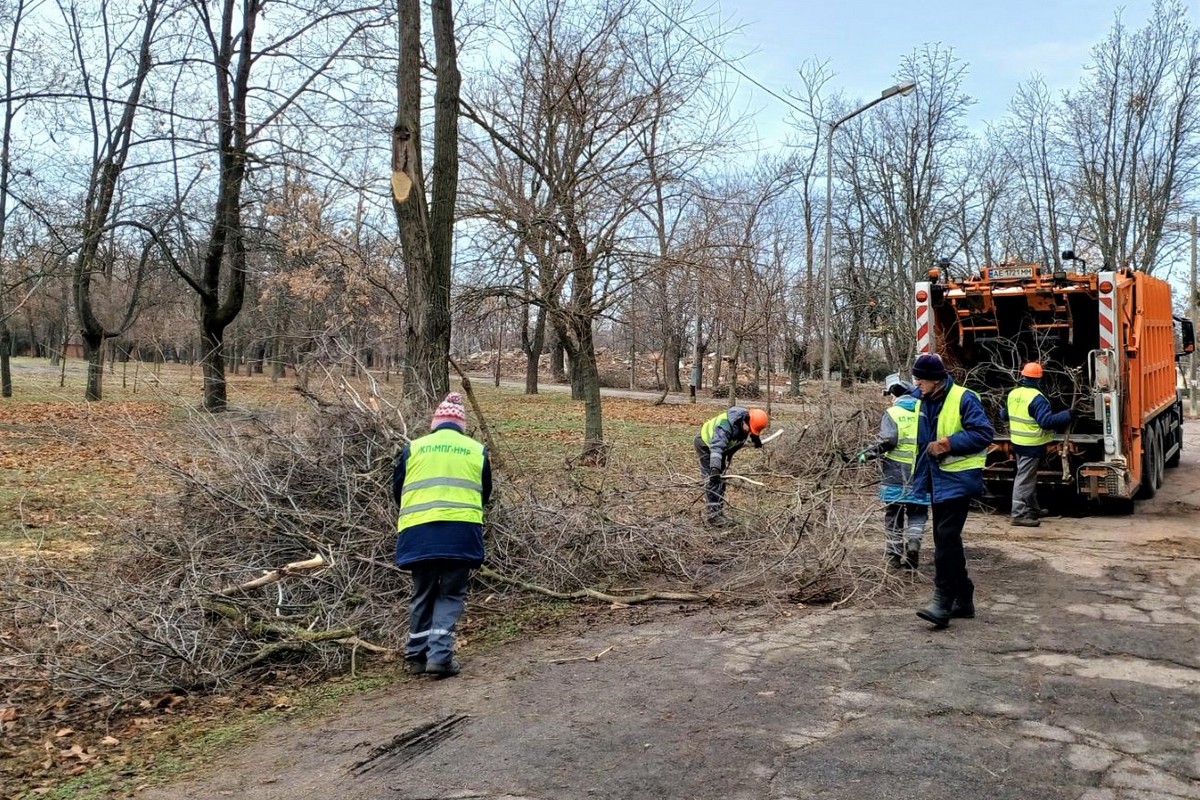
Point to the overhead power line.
(720, 57)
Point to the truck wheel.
(1148, 487)
(1159, 451)
(1176, 437)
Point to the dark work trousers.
(714, 491)
(949, 560)
(903, 521)
(439, 597)
(1024, 496)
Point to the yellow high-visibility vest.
(1022, 427)
(443, 480)
(708, 428)
(905, 450)
(950, 422)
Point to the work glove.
(939, 448)
(861, 457)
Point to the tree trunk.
(632, 345)
(795, 358)
(533, 352)
(672, 352)
(558, 355)
(93, 353)
(575, 368)
(425, 236)
(5, 366)
(717, 360)
(212, 335)
(586, 377)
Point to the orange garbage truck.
(1107, 342)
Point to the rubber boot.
(912, 553)
(963, 606)
(938, 610)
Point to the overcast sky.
(1002, 41)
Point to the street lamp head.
(902, 89)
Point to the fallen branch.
(582, 658)
(645, 597)
(354, 641)
(493, 453)
(747, 480)
(316, 562)
(258, 627)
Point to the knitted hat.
(929, 367)
(450, 410)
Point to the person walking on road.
(953, 434)
(719, 438)
(1030, 422)
(906, 508)
(441, 481)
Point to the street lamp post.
(899, 89)
(1192, 317)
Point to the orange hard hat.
(1031, 370)
(758, 421)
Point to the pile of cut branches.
(277, 552)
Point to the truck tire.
(1159, 453)
(1148, 488)
(1176, 437)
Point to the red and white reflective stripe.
(1108, 312)
(924, 329)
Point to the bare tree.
(1035, 150)
(426, 225)
(112, 142)
(13, 18)
(583, 107)
(810, 126)
(907, 194)
(1132, 126)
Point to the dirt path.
(1079, 679)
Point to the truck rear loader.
(1107, 344)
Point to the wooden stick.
(742, 478)
(645, 597)
(493, 453)
(316, 562)
(582, 658)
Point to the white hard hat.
(894, 380)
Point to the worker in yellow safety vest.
(441, 482)
(953, 434)
(719, 438)
(1030, 422)
(906, 507)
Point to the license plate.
(1009, 273)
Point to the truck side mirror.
(1187, 336)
